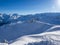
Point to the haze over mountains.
(43, 17)
(16, 26)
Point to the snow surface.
(31, 32)
(53, 36)
(3, 44)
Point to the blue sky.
(26, 6)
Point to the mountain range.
(32, 29)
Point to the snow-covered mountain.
(52, 18)
(41, 28)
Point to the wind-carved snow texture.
(50, 29)
(52, 38)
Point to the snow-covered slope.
(29, 28)
(12, 32)
(50, 38)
